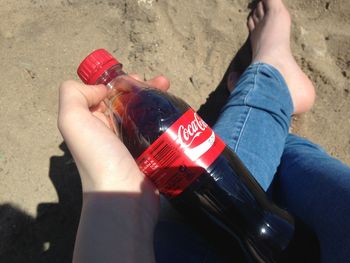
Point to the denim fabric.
(309, 183)
(255, 121)
(315, 187)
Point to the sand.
(191, 42)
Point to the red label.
(181, 154)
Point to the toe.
(232, 80)
(260, 10)
(250, 24)
(255, 17)
(270, 3)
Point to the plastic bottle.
(188, 163)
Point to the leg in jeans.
(255, 121)
(316, 187)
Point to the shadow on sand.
(50, 236)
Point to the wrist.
(113, 175)
(116, 225)
(132, 207)
(139, 198)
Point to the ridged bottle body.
(224, 192)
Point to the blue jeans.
(306, 181)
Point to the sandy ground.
(192, 42)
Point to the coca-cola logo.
(187, 133)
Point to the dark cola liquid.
(226, 195)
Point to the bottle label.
(181, 154)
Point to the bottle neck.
(110, 74)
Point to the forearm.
(114, 227)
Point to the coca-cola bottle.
(188, 162)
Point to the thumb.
(78, 95)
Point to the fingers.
(136, 76)
(74, 94)
(101, 116)
(76, 101)
(159, 82)
(101, 107)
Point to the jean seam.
(282, 82)
(242, 130)
(250, 108)
(275, 76)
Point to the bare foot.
(240, 62)
(269, 26)
(232, 80)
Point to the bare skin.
(269, 26)
(120, 207)
(113, 186)
(232, 80)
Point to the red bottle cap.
(94, 65)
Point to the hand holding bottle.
(103, 161)
(188, 162)
(120, 207)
